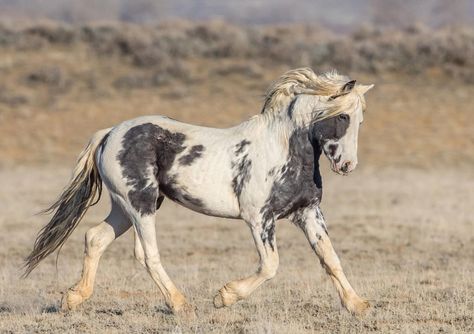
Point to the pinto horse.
(262, 170)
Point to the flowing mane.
(305, 81)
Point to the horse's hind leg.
(138, 249)
(175, 300)
(96, 241)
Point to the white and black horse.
(262, 170)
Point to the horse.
(261, 170)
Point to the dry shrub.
(410, 50)
(51, 77)
(161, 76)
(7, 36)
(217, 39)
(11, 99)
(248, 69)
(53, 33)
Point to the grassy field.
(402, 223)
(404, 236)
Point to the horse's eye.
(343, 117)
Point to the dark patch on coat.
(299, 218)
(194, 153)
(271, 172)
(241, 166)
(331, 128)
(299, 183)
(321, 221)
(240, 147)
(178, 193)
(148, 147)
(268, 233)
(241, 171)
(159, 201)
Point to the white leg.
(145, 227)
(96, 241)
(311, 221)
(265, 242)
(138, 250)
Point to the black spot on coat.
(178, 193)
(148, 152)
(194, 153)
(240, 147)
(241, 166)
(331, 128)
(241, 171)
(268, 233)
(299, 183)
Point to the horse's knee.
(270, 269)
(152, 263)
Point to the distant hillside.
(412, 50)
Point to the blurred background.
(402, 221)
(70, 67)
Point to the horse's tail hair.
(83, 191)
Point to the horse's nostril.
(345, 166)
(332, 149)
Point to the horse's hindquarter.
(189, 164)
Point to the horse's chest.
(293, 188)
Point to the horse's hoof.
(186, 312)
(225, 297)
(218, 301)
(359, 307)
(71, 300)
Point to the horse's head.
(331, 105)
(337, 135)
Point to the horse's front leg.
(264, 236)
(311, 221)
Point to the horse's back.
(189, 164)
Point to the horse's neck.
(287, 142)
(275, 128)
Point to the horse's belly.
(210, 196)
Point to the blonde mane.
(305, 81)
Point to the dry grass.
(402, 222)
(405, 239)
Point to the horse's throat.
(316, 173)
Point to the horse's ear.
(348, 86)
(346, 89)
(362, 89)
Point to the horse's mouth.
(338, 169)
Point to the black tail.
(83, 191)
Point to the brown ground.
(402, 223)
(404, 236)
